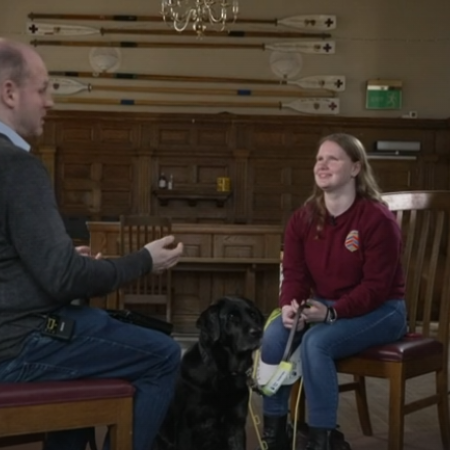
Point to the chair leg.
(443, 410)
(396, 407)
(362, 405)
(121, 433)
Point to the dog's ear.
(209, 323)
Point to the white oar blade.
(334, 83)
(309, 22)
(314, 105)
(66, 86)
(315, 47)
(53, 29)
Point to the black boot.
(319, 439)
(326, 439)
(275, 433)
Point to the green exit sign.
(384, 94)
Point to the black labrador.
(210, 404)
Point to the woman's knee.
(312, 342)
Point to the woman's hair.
(13, 65)
(365, 183)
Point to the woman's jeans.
(322, 344)
(102, 347)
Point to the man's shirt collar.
(14, 137)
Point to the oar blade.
(66, 86)
(53, 29)
(334, 83)
(309, 22)
(314, 105)
(314, 47)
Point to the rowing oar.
(308, 21)
(328, 82)
(306, 105)
(67, 86)
(318, 47)
(52, 29)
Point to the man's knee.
(173, 354)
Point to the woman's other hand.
(314, 311)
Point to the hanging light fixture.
(199, 13)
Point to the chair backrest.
(135, 232)
(138, 230)
(424, 220)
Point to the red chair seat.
(412, 346)
(36, 393)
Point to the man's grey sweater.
(40, 270)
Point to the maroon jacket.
(355, 260)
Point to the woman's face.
(334, 170)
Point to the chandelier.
(199, 13)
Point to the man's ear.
(9, 93)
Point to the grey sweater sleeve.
(39, 238)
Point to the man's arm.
(38, 235)
(296, 278)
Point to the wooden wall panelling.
(142, 184)
(240, 186)
(97, 186)
(197, 174)
(243, 147)
(396, 175)
(47, 154)
(278, 187)
(281, 169)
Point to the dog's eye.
(233, 316)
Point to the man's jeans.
(103, 348)
(321, 345)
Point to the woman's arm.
(382, 273)
(297, 282)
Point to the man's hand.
(84, 250)
(288, 313)
(162, 256)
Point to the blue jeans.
(103, 348)
(322, 344)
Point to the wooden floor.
(421, 428)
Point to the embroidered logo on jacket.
(352, 241)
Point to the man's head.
(24, 89)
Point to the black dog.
(210, 404)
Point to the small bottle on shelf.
(170, 182)
(162, 182)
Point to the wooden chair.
(27, 410)
(151, 289)
(424, 218)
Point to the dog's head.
(235, 322)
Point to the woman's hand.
(288, 313)
(314, 311)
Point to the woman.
(342, 260)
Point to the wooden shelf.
(191, 197)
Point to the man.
(41, 273)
